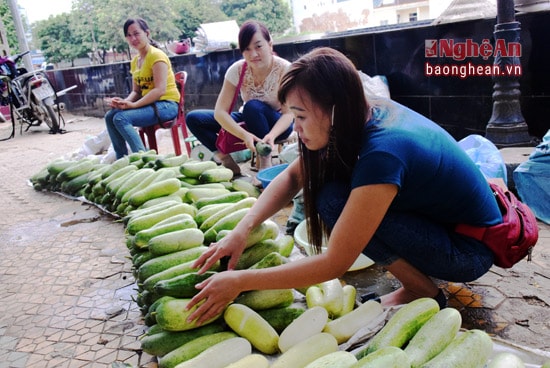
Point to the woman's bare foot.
(402, 296)
(399, 296)
(264, 162)
(227, 161)
(414, 283)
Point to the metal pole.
(507, 126)
(20, 31)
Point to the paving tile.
(41, 321)
(129, 357)
(3, 356)
(10, 359)
(106, 356)
(489, 297)
(58, 362)
(25, 345)
(8, 342)
(34, 332)
(69, 336)
(18, 359)
(132, 345)
(36, 361)
(87, 356)
(82, 364)
(54, 336)
(99, 345)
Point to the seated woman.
(154, 97)
(261, 111)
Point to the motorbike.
(30, 96)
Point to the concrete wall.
(461, 105)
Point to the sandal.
(370, 296)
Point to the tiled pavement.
(67, 287)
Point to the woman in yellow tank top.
(154, 97)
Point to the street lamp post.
(507, 127)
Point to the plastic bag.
(289, 153)
(297, 215)
(543, 149)
(485, 155)
(375, 86)
(93, 146)
(532, 180)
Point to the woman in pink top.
(261, 111)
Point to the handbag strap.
(241, 77)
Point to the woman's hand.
(217, 292)
(231, 246)
(112, 101)
(125, 104)
(269, 139)
(119, 103)
(250, 141)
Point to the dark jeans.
(436, 250)
(259, 118)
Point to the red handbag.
(514, 238)
(227, 142)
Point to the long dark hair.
(333, 84)
(143, 25)
(247, 31)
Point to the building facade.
(341, 15)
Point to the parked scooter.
(30, 95)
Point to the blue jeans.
(259, 117)
(121, 123)
(433, 248)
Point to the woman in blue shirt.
(378, 178)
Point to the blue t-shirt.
(435, 177)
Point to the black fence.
(454, 89)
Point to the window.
(413, 17)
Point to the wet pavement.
(67, 286)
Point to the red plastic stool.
(147, 134)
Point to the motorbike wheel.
(45, 113)
(53, 119)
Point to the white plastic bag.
(289, 153)
(375, 86)
(532, 180)
(485, 155)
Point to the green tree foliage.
(275, 14)
(100, 22)
(57, 40)
(94, 27)
(7, 19)
(191, 13)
